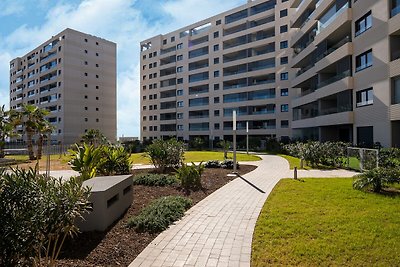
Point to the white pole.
(247, 137)
(234, 142)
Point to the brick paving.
(218, 231)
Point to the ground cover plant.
(160, 214)
(326, 222)
(155, 179)
(120, 245)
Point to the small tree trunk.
(40, 147)
(31, 154)
(2, 144)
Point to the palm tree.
(32, 117)
(44, 128)
(6, 128)
(94, 137)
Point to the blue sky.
(24, 24)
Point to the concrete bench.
(110, 196)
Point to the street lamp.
(234, 142)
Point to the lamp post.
(234, 142)
(247, 137)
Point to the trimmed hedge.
(160, 214)
(150, 179)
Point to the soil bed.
(119, 246)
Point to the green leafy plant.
(85, 160)
(37, 214)
(212, 164)
(228, 164)
(115, 161)
(225, 145)
(152, 179)
(160, 214)
(165, 154)
(190, 176)
(389, 157)
(377, 178)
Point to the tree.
(6, 128)
(43, 128)
(32, 117)
(225, 145)
(94, 137)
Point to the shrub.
(160, 214)
(228, 164)
(190, 176)
(115, 161)
(150, 179)
(212, 164)
(37, 214)
(389, 158)
(85, 160)
(272, 145)
(165, 154)
(377, 179)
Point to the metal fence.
(48, 149)
(362, 159)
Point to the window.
(179, 69)
(218, 22)
(97, 43)
(216, 86)
(97, 54)
(86, 74)
(179, 57)
(284, 60)
(86, 62)
(216, 47)
(180, 127)
(97, 65)
(86, 52)
(284, 92)
(216, 73)
(216, 60)
(364, 60)
(283, 13)
(164, 42)
(180, 104)
(216, 113)
(216, 34)
(365, 97)
(179, 92)
(396, 90)
(179, 81)
(284, 76)
(86, 41)
(216, 100)
(172, 39)
(179, 116)
(364, 23)
(97, 76)
(216, 126)
(179, 46)
(86, 85)
(284, 44)
(283, 29)
(285, 108)
(285, 124)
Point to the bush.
(85, 160)
(115, 161)
(212, 164)
(37, 214)
(272, 145)
(377, 179)
(228, 164)
(150, 179)
(165, 154)
(389, 158)
(160, 214)
(316, 153)
(190, 176)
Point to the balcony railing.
(336, 46)
(334, 79)
(395, 10)
(335, 110)
(322, 26)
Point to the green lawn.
(52, 157)
(294, 162)
(197, 156)
(326, 222)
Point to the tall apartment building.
(193, 78)
(72, 75)
(348, 81)
(307, 69)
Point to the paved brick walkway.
(218, 231)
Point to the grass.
(326, 222)
(197, 156)
(294, 162)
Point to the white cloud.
(10, 7)
(117, 21)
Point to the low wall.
(110, 196)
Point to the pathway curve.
(218, 230)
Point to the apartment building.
(304, 69)
(72, 75)
(347, 57)
(193, 78)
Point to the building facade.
(72, 75)
(193, 78)
(304, 69)
(347, 56)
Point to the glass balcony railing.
(395, 10)
(324, 23)
(334, 79)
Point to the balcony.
(334, 79)
(395, 8)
